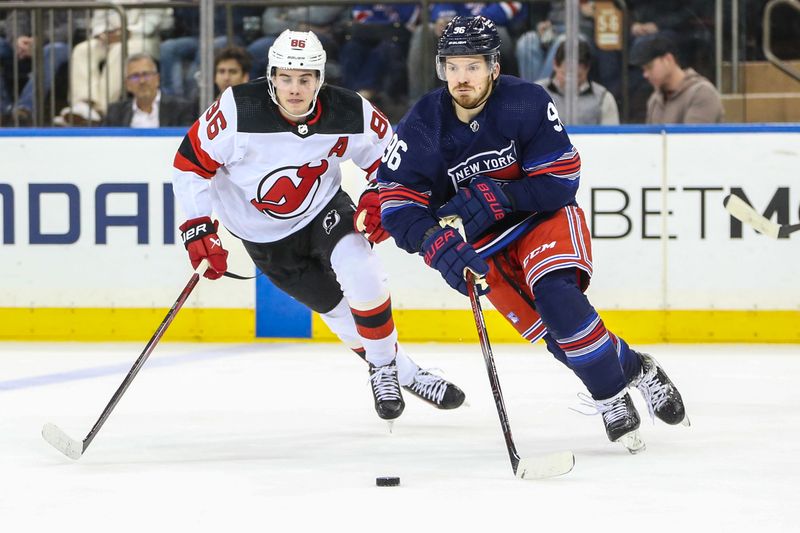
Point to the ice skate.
(435, 390)
(389, 402)
(662, 396)
(620, 418)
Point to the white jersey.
(265, 177)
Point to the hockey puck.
(387, 481)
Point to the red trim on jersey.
(372, 168)
(564, 167)
(181, 163)
(205, 160)
(315, 116)
(317, 113)
(403, 193)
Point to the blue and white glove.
(479, 205)
(447, 252)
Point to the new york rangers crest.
(289, 191)
(500, 164)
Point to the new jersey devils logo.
(289, 191)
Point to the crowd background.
(639, 60)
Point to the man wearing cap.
(681, 96)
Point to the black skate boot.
(620, 418)
(435, 390)
(662, 397)
(389, 402)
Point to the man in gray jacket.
(681, 96)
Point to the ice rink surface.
(284, 437)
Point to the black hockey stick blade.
(788, 229)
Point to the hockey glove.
(447, 252)
(479, 205)
(368, 215)
(199, 236)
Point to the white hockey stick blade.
(554, 464)
(744, 212)
(62, 442)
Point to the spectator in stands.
(180, 61)
(148, 108)
(322, 20)
(8, 55)
(670, 18)
(681, 95)
(596, 105)
(505, 15)
(374, 58)
(96, 64)
(55, 58)
(231, 67)
(536, 49)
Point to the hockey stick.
(554, 464)
(743, 211)
(75, 449)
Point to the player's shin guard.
(375, 327)
(629, 359)
(577, 332)
(363, 283)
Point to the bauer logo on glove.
(199, 236)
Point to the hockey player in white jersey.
(265, 158)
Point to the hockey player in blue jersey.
(491, 150)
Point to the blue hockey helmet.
(468, 36)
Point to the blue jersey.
(517, 140)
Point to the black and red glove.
(368, 215)
(199, 236)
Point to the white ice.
(283, 438)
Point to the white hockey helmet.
(296, 50)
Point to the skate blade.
(632, 441)
(554, 464)
(390, 423)
(686, 422)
